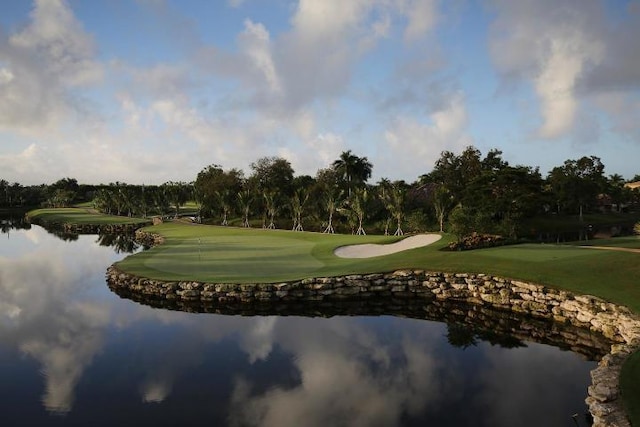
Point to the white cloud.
(422, 16)
(416, 145)
(43, 63)
(557, 81)
(255, 42)
(550, 44)
(314, 153)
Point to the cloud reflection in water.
(356, 371)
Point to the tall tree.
(577, 183)
(394, 203)
(223, 199)
(245, 200)
(212, 180)
(331, 201)
(178, 194)
(298, 201)
(442, 203)
(358, 205)
(616, 189)
(354, 170)
(272, 174)
(271, 207)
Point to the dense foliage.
(464, 193)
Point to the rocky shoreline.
(616, 323)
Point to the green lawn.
(78, 216)
(632, 242)
(228, 254)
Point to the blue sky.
(146, 91)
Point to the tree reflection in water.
(122, 243)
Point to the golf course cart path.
(370, 250)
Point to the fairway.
(534, 253)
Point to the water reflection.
(122, 243)
(13, 220)
(109, 361)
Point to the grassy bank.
(226, 254)
(78, 216)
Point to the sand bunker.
(370, 250)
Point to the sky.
(149, 91)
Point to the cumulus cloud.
(551, 45)
(41, 65)
(315, 152)
(256, 44)
(416, 143)
(422, 16)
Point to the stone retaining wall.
(615, 322)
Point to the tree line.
(463, 193)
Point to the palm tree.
(271, 207)
(331, 202)
(245, 199)
(223, 201)
(393, 200)
(353, 169)
(442, 202)
(384, 186)
(358, 206)
(298, 200)
(178, 194)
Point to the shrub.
(477, 241)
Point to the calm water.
(72, 353)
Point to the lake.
(73, 353)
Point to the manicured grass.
(632, 242)
(228, 254)
(78, 216)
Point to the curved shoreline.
(614, 322)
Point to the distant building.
(633, 185)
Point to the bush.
(417, 222)
(636, 228)
(477, 241)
